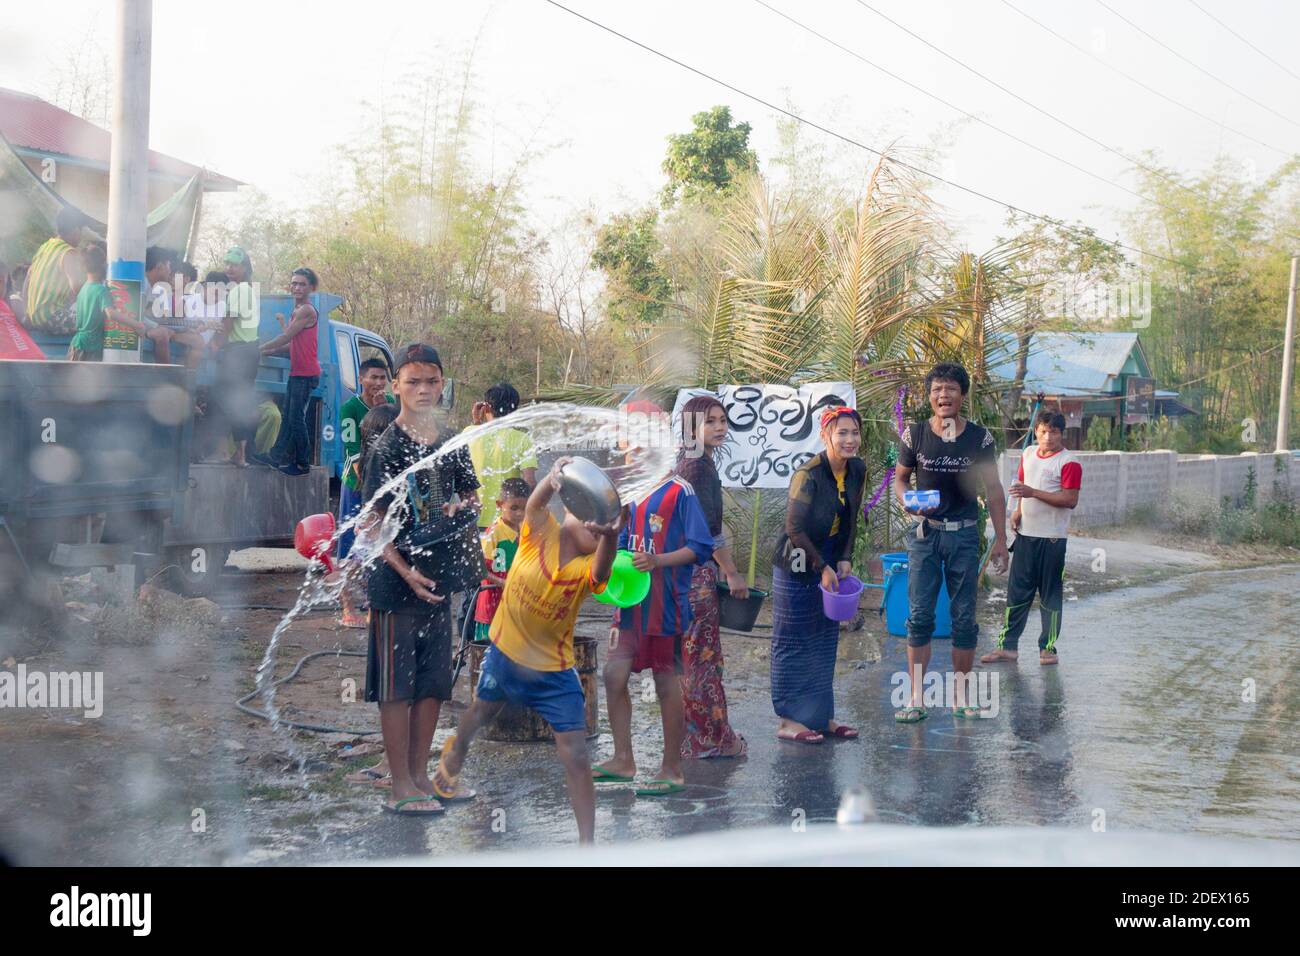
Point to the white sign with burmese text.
(771, 429)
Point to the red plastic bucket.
(842, 605)
(313, 536)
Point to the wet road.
(1143, 726)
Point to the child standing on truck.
(94, 305)
(531, 660)
(292, 452)
(500, 542)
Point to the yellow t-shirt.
(502, 454)
(835, 525)
(534, 624)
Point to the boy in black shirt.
(408, 669)
(951, 455)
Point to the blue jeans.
(293, 446)
(940, 555)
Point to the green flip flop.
(911, 715)
(398, 807)
(968, 713)
(660, 788)
(601, 775)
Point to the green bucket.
(627, 587)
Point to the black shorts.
(409, 656)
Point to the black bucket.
(737, 614)
(448, 551)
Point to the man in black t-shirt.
(953, 456)
(408, 667)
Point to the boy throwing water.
(531, 660)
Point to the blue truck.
(101, 472)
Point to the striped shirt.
(48, 288)
(668, 519)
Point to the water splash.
(635, 451)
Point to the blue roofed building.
(1087, 375)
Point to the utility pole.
(128, 173)
(1288, 349)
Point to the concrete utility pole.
(128, 174)
(1288, 349)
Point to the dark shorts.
(556, 695)
(409, 656)
(659, 654)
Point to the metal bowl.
(588, 492)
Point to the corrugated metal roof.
(1063, 363)
(29, 122)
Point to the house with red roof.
(71, 156)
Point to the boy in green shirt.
(94, 305)
(374, 385)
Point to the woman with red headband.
(815, 549)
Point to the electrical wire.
(1277, 63)
(1222, 82)
(973, 116)
(1034, 106)
(1150, 89)
(863, 146)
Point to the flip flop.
(397, 807)
(844, 732)
(660, 788)
(601, 775)
(911, 715)
(968, 712)
(445, 785)
(369, 776)
(802, 737)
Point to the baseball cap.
(417, 352)
(236, 254)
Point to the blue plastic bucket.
(895, 603)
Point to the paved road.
(1144, 722)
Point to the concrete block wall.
(1115, 483)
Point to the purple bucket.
(842, 605)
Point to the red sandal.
(803, 737)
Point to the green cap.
(236, 254)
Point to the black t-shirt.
(420, 512)
(703, 477)
(949, 466)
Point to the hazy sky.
(263, 91)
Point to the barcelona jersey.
(666, 520)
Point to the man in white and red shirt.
(1046, 490)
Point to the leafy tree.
(627, 249)
(705, 161)
(1219, 306)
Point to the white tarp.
(772, 429)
